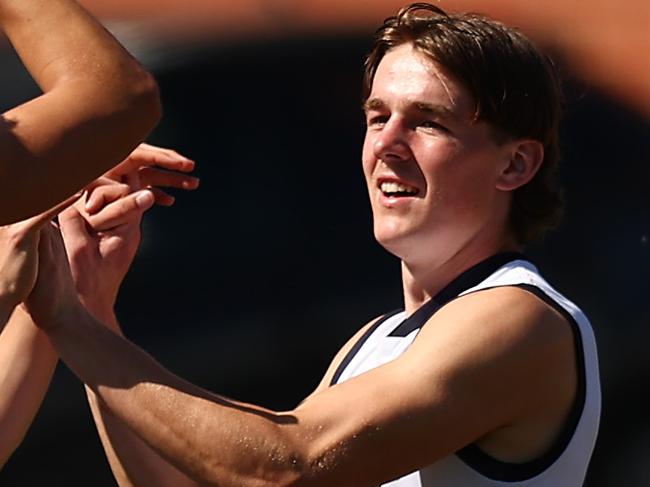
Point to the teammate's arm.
(27, 361)
(98, 104)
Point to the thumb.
(72, 222)
(122, 210)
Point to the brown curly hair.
(515, 89)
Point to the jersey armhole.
(495, 469)
(357, 346)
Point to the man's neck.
(423, 280)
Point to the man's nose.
(392, 142)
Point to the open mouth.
(392, 189)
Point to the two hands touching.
(52, 269)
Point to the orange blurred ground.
(605, 43)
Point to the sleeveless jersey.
(565, 464)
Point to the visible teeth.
(393, 187)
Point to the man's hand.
(19, 257)
(102, 235)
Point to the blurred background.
(250, 285)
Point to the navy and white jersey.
(565, 464)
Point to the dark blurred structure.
(250, 285)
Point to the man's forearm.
(99, 103)
(27, 361)
(207, 437)
(132, 461)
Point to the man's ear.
(525, 158)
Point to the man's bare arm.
(98, 104)
(92, 230)
(375, 427)
(133, 462)
(27, 361)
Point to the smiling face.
(431, 170)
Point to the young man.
(488, 377)
(98, 105)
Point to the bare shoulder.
(504, 315)
(507, 325)
(502, 343)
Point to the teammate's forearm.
(27, 361)
(209, 438)
(58, 40)
(98, 104)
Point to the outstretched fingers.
(150, 155)
(150, 176)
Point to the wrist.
(103, 312)
(70, 315)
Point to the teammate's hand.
(19, 254)
(103, 235)
(150, 167)
(53, 296)
(101, 247)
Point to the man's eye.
(377, 120)
(431, 125)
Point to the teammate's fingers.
(100, 181)
(101, 196)
(149, 155)
(169, 156)
(72, 222)
(162, 198)
(121, 211)
(150, 176)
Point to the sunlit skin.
(421, 132)
(444, 209)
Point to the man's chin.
(393, 241)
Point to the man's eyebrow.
(373, 104)
(428, 108)
(436, 110)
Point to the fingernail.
(144, 199)
(191, 184)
